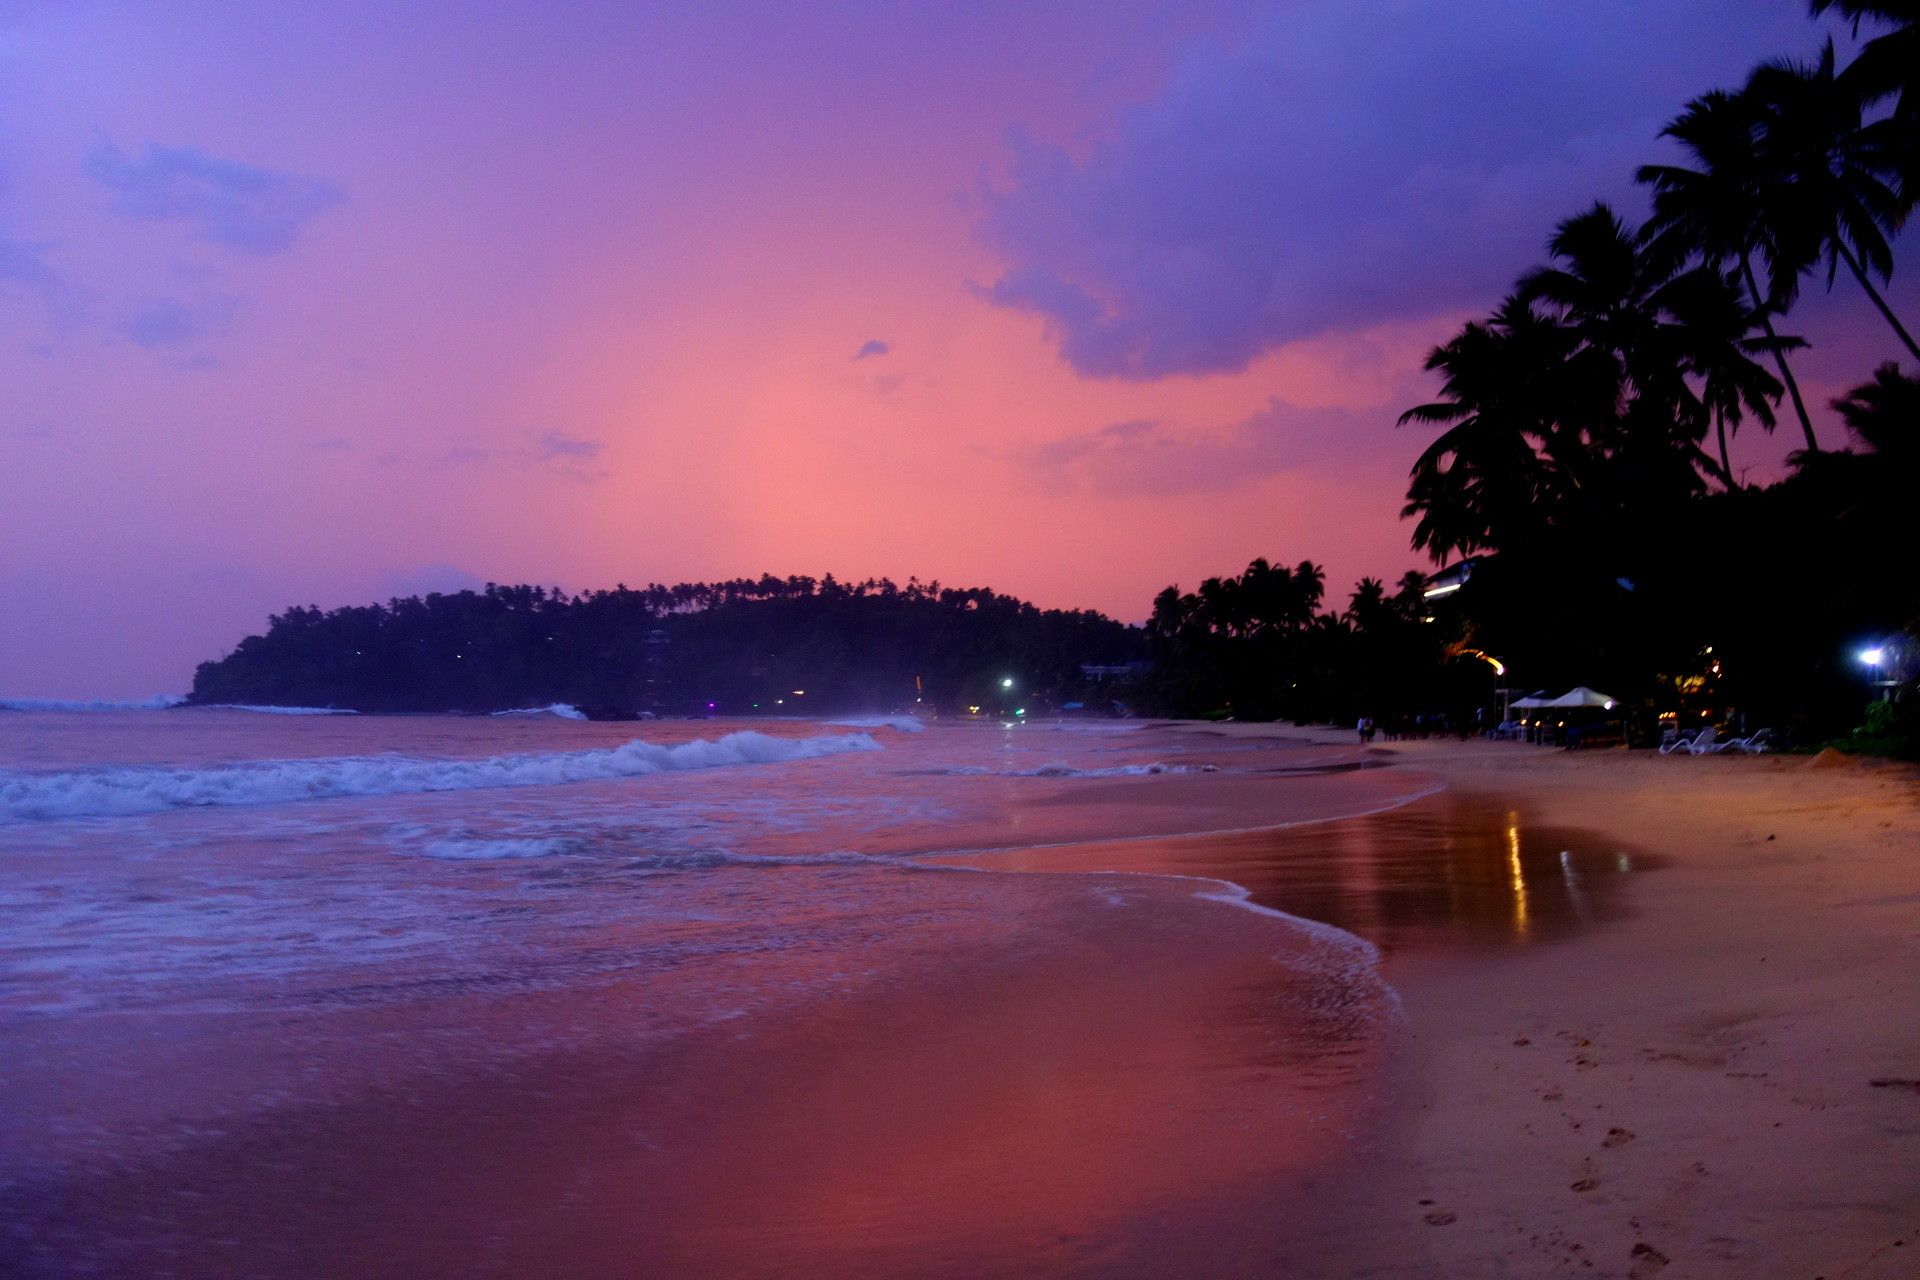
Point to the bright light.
(1873, 657)
(1434, 593)
(1007, 683)
(799, 692)
(1020, 712)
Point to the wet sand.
(1687, 1090)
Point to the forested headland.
(789, 646)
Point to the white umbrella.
(1580, 697)
(1532, 701)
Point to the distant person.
(1366, 730)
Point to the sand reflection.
(1442, 873)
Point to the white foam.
(521, 848)
(565, 710)
(1112, 771)
(123, 791)
(906, 724)
(279, 711)
(158, 702)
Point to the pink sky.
(419, 294)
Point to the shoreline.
(1598, 1065)
(1686, 1090)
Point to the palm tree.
(1584, 400)
(1644, 328)
(1490, 478)
(1713, 326)
(1885, 414)
(1889, 64)
(1725, 211)
(1838, 177)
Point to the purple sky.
(306, 303)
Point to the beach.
(1689, 1089)
(1235, 1000)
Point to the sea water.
(534, 996)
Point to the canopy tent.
(1582, 697)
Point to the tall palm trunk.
(1853, 265)
(1779, 356)
(1726, 467)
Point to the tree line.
(768, 646)
(1582, 468)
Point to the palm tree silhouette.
(1839, 177)
(1885, 414)
(1725, 212)
(1583, 401)
(1714, 329)
(1888, 66)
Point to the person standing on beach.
(1366, 730)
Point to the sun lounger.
(1698, 744)
(1753, 744)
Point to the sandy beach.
(1689, 1090)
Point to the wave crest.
(125, 791)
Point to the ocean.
(358, 996)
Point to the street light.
(1007, 683)
(1882, 663)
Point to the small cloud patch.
(1148, 458)
(554, 445)
(222, 202)
(872, 347)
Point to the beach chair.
(1753, 744)
(1695, 744)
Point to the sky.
(312, 303)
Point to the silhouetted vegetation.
(1583, 463)
(772, 646)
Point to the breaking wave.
(124, 791)
(159, 702)
(278, 711)
(564, 710)
(906, 724)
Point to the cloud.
(223, 202)
(1355, 162)
(553, 451)
(872, 347)
(1147, 458)
(158, 323)
(553, 445)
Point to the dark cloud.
(872, 347)
(1148, 458)
(1357, 161)
(223, 202)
